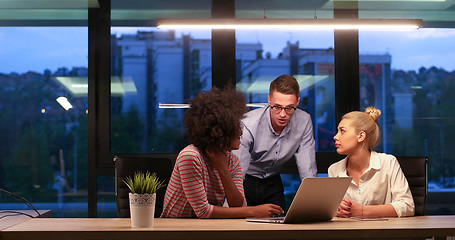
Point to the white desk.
(10, 218)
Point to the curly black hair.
(213, 120)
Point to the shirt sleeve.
(192, 175)
(243, 153)
(402, 200)
(305, 155)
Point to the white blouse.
(382, 183)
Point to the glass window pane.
(105, 187)
(306, 55)
(144, 13)
(153, 73)
(284, 9)
(409, 75)
(44, 149)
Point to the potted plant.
(143, 187)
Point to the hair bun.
(373, 113)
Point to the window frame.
(223, 74)
(100, 159)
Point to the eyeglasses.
(278, 109)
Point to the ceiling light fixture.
(286, 23)
(63, 101)
(187, 105)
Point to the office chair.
(127, 166)
(415, 170)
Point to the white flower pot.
(142, 209)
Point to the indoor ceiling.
(435, 13)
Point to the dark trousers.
(260, 191)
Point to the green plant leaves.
(142, 183)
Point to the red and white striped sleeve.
(191, 167)
(236, 171)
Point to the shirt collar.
(374, 164)
(343, 172)
(374, 161)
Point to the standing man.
(271, 136)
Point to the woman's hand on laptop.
(266, 210)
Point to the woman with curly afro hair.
(206, 174)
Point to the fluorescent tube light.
(186, 105)
(294, 23)
(172, 105)
(63, 101)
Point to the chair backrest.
(127, 166)
(415, 170)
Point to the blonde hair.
(366, 121)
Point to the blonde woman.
(379, 187)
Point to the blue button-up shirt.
(263, 152)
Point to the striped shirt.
(195, 186)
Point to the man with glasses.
(271, 136)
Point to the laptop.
(316, 200)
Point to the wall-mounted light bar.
(286, 23)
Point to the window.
(306, 55)
(411, 79)
(153, 73)
(44, 148)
